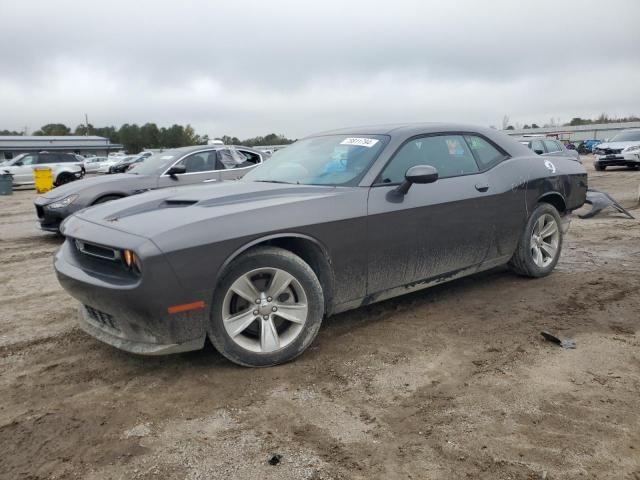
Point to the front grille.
(608, 151)
(40, 211)
(101, 317)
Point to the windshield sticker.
(359, 142)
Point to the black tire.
(599, 167)
(522, 261)
(63, 178)
(267, 257)
(106, 198)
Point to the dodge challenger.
(335, 221)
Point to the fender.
(267, 238)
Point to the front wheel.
(267, 308)
(599, 167)
(540, 244)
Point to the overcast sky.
(246, 68)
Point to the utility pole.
(86, 125)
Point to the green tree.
(150, 135)
(53, 129)
(83, 129)
(130, 137)
(9, 133)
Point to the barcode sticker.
(360, 142)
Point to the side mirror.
(176, 170)
(18, 163)
(539, 152)
(417, 174)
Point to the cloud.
(247, 68)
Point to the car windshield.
(157, 163)
(325, 160)
(8, 163)
(633, 136)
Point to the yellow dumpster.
(43, 178)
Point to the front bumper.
(629, 159)
(50, 219)
(121, 309)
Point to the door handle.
(482, 187)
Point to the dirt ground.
(451, 382)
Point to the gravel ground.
(451, 382)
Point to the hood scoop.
(177, 203)
(148, 207)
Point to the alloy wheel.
(544, 240)
(265, 310)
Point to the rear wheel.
(540, 244)
(267, 309)
(63, 178)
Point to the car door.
(200, 167)
(435, 229)
(23, 170)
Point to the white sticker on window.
(361, 142)
(166, 157)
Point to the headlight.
(632, 148)
(131, 260)
(64, 202)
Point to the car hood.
(153, 213)
(616, 145)
(76, 187)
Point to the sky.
(246, 68)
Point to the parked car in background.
(623, 150)
(66, 167)
(121, 165)
(335, 221)
(586, 146)
(171, 168)
(93, 164)
(549, 147)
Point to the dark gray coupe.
(337, 220)
(170, 168)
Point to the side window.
(198, 162)
(486, 154)
(251, 158)
(552, 146)
(449, 154)
(46, 158)
(537, 147)
(232, 158)
(65, 158)
(29, 160)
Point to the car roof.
(194, 148)
(407, 129)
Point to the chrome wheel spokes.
(264, 310)
(545, 239)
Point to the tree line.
(136, 138)
(603, 118)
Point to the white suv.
(66, 167)
(622, 150)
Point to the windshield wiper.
(277, 181)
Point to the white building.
(575, 134)
(88, 145)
